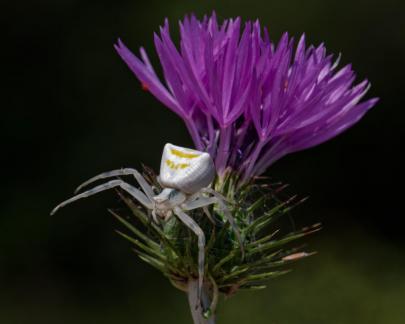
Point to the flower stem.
(198, 308)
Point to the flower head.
(245, 99)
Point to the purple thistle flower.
(246, 100)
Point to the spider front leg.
(201, 202)
(134, 192)
(191, 224)
(220, 200)
(121, 172)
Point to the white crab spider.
(185, 176)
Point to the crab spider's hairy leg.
(121, 172)
(137, 194)
(191, 224)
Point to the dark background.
(72, 109)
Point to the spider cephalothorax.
(185, 176)
(166, 201)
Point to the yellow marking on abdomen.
(183, 154)
(175, 166)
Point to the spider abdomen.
(185, 169)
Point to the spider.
(185, 176)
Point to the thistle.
(247, 102)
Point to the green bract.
(171, 247)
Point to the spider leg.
(207, 212)
(214, 193)
(191, 224)
(121, 172)
(235, 228)
(220, 200)
(155, 218)
(201, 202)
(137, 194)
(198, 203)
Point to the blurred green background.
(73, 109)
